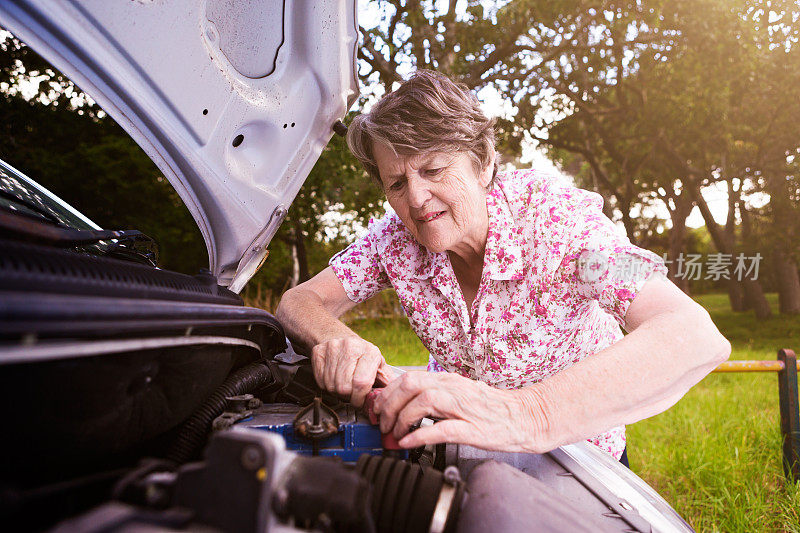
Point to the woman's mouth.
(433, 215)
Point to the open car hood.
(234, 100)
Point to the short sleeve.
(359, 268)
(600, 263)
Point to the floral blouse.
(557, 280)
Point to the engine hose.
(405, 496)
(194, 431)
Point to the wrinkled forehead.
(392, 162)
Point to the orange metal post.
(750, 366)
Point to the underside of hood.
(234, 100)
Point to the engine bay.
(269, 451)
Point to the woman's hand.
(471, 413)
(349, 367)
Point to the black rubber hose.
(405, 495)
(194, 431)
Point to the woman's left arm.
(671, 346)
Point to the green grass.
(715, 455)
(398, 343)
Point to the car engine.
(268, 451)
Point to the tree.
(697, 96)
(744, 58)
(678, 114)
(647, 97)
(63, 140)
(549, 60)
(337, 182)
(768, 122)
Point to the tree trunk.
(627, 221)
(300, 272)
(677, 238)
(785, 266)
(736, 296)
(730, 222)
(747, 226)
(754, 297)
(608, 208)
(302, 256)
(752, 288)
(744, 214)
(788, 282)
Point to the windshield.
(21, 194)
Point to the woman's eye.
(434, 171)
(396, 186)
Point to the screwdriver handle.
(387, 439)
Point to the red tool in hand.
(387, 439)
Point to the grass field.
(715, 455)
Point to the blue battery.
(356, 436)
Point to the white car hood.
(234, 100)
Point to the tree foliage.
(337, 183)
(65, 142)
(645, 101)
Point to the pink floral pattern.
(557, 280)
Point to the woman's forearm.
(643, 374)
(343, 363)
(307, 321)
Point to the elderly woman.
(516, 283)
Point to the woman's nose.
(418, 192)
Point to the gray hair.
(429, 112)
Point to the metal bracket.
(236, 408)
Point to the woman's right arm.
(343, 362)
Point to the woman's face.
(439, 197)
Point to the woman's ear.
(488, 171)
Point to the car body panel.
(235, 121)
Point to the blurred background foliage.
(61, 139)
(657, 105)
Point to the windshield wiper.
(134, 245)
(130, 244)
